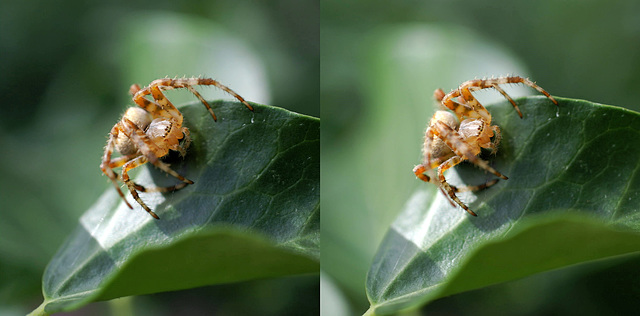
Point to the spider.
(451, 138)
(147, 133)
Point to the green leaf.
(253, 212)
(572, 196)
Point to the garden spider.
(147, 133)
(454, 137)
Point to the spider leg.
(467, 87)
(167, 84)
(149, 150)
(461, 148)
(156, 109)
(429, 149)
(118, 162)
(419, 171)
(206, 104)
(496, 139)
(428, 139)
(132, 187)
(473, 188)
(525, 81)
(166, 105)
(471, 108)
(106, 159)
(445, 186)
(504, 94)
(479, 84)
(182, 148)
(160, 189)
(152, 107)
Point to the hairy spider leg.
(445, 185)
(470, 108)
(160, 189)
(420, 170)
(168, 84)
(166, 105)
(467, 87)
(458, 145)
(136, 162)
(430, 163)
(504, 94)
(203, 101)
(118, 162)
(473, 188)
(148, 149)
(106, 161)
(153, 108)
(497, 137)
(182, 148)
(142, 188)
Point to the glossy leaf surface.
(253, 212)
(573, 195)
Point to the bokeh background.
(66, 67)
(381, 62)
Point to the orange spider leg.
(473, 188)
(132, 187)
(428, 149)
(152, 107)
(496, 139)
(470, 109)
(182, 148)
(168, 84)
(445, 185)
(118, 162)
(492, 83)
(106, 159)
(166, 105)
(160, 189)
(467, 87)
(508, 97)
(419, 171)
(206, 104)
(149, 150)
(461, 149)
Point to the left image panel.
(160, 161)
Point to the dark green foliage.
(572, 196)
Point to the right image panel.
(479, 158)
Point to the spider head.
(476, 131)
(163, 131)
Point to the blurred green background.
(67, 65)
(381, 62)
(66, 70)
